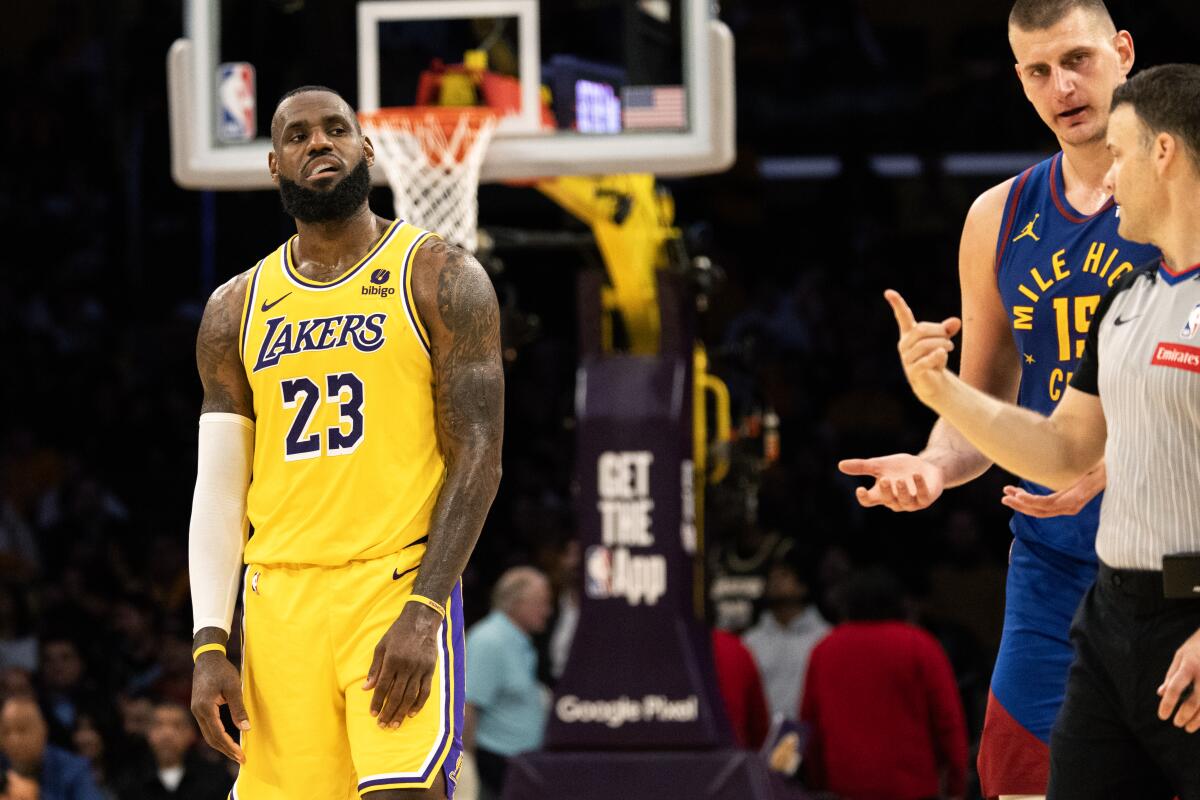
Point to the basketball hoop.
(431, 156)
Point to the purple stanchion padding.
(637, 714)
(640, 672)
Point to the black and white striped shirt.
(1143, 359)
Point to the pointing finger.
(904, 315)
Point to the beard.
(329, 205)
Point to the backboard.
(587, 86)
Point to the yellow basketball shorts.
(310, 634)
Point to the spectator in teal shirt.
(506, 706)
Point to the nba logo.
(1192, 324)
(597, 568)
(236, 98)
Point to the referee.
(1126, 727)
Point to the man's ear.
(1123, 44)
(1165, 152)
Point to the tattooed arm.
(218, 510)
(217, 358)
(457, 303)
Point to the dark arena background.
(865, 130)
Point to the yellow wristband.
(207, 648)
(425, 601)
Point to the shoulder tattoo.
(217, 351)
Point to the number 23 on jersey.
(343, 388)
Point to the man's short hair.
(1166, 99)
(1038, 15)
(311, 87)
(512, 585)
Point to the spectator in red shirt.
(741, 689)
(887, 721)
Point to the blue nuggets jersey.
(1053, 265)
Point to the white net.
(432, 161)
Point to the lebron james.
(349, 450)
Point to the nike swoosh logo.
(268, 306)
(1119, 321)
(397, 575)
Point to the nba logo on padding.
(236, 97)
(380, 276)
(598, 572)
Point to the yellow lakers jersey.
(346, 460)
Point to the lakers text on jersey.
(346, 461)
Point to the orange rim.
(420, 119)
(447, 116)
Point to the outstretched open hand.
(1067, 502)
(903, 482)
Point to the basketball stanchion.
(637, 713)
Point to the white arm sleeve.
(218, 529)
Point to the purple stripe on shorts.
(451, 685)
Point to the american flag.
(654, 107)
